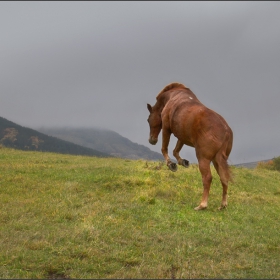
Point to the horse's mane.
(171, 86)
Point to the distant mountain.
(105, 141)
(22, 138)
(250, 165)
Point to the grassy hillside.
(106, 141)
(18, 137)
(66, 216)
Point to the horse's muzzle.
(153, 141)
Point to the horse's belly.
(181, 124)
(183, 133)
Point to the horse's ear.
(149, 108)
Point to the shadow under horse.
(179, 111)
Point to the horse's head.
(155, 123)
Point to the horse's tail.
(222, 157)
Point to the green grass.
(65, 216)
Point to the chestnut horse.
(178, 111)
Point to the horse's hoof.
(172, 166)
(185, 163)
(200, 208)
(222, 207)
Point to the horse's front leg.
(176, 151)
(165, 142)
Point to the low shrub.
(276, 162)
(273, 164)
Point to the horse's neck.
(163, 99)
(166, 96)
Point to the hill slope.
(106, 141)
(250, 165)
(75, 217)
(22, 138)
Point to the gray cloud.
(98, 64)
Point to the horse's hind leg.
(176, 151)
(204, 167)
(221, 167)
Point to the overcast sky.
(97, 64)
